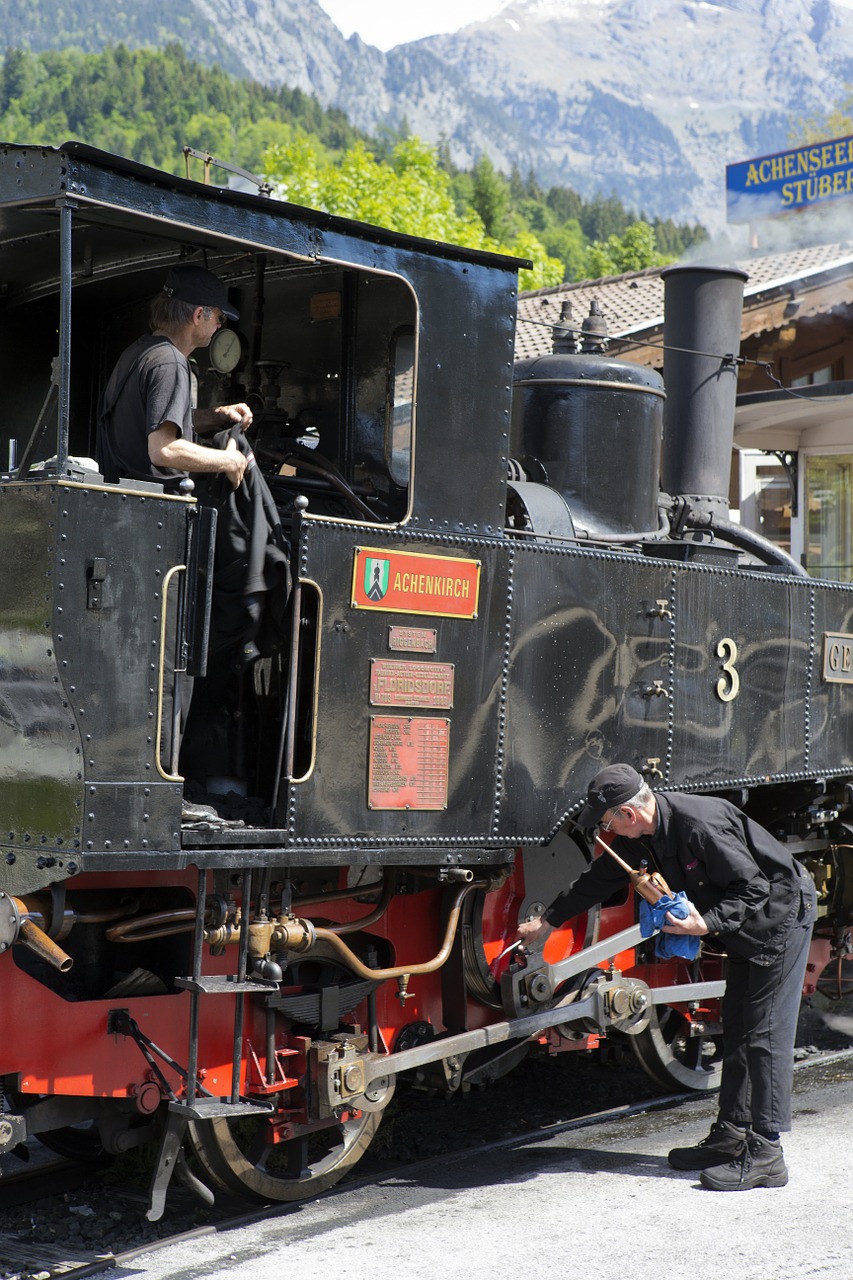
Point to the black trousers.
(760, 1010)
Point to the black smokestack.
(702, 320)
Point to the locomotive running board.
(568, 1010)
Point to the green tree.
(149, 103)
(604, 216)
(837, 123)
(568, 243)
(633, 251)
(491, 197)
(411, 193)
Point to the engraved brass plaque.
(837, 657)
(412, 639)
(409, 757)
(324, 306)
(396, 683)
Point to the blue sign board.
(771, 185)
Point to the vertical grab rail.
(64, 413)
(161, 679)
(198, 942)
(242, 975)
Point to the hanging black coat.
(251, 577)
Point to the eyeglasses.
(605, 826)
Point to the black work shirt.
(745, 884)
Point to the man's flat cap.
(609, 788)
(200, 288)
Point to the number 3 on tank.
(728, 685)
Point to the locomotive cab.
(334, 329)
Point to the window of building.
(773, 504)
(816, 378)
(829, 520)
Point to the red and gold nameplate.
(397, 683)
(403, 582)
(409, 758)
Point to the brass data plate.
(398, 683)
(409, 758)
(324, 306)
(837, 657)
(412, 639)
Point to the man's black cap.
(609, 788)
(200, 288)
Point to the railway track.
(19, 1262)
(59, 1193)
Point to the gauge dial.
(227, 350)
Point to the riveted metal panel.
(742, 658)
(40, 743)
(589, 677)
(830, 726)
(331, 805)
(111, 656)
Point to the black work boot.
(762, 1164)
(725, 1142)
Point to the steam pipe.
(165, 924)
(25, 931)
(352, 926)
(351, 960)
(728, 531)
(337, 895)
(157, 924)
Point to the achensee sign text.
(789, 180)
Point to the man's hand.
(692, 924)
(235, 463)
(206, 421)
(241, 414)
(535, 931)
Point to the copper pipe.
(39, 909)
(352, 926)
(164, 924)
(143, 928)
(427, 966)
(338, 895)
(37, 941)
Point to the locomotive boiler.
(499, 580)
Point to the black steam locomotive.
(240, 949)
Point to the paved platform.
(600, 1198)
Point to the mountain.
(649, 99)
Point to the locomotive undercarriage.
(313, 994)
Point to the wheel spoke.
(259, 1145)
(675, 1059)
(239, 1156)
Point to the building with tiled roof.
(794, 417)
(632, 304)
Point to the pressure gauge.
(227, 350)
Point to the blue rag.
(668, 946)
